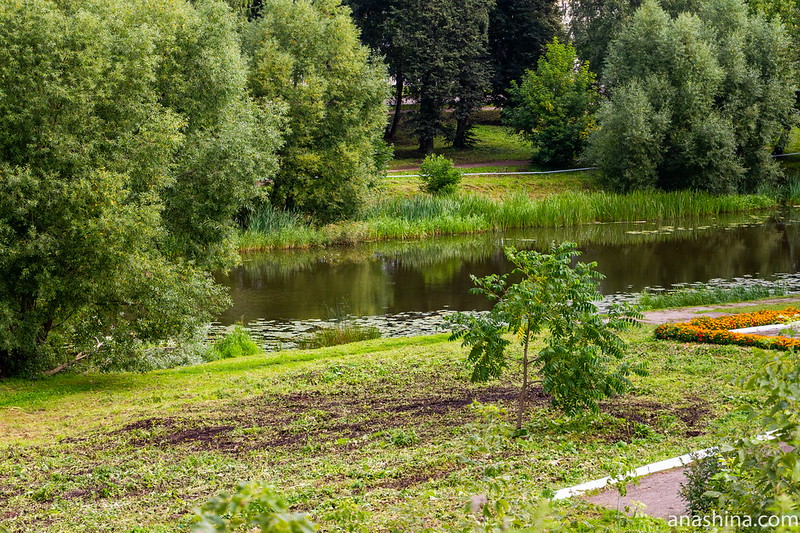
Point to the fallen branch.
(82, 355)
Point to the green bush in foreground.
(251, 506)
(757, 474)
(438, 175)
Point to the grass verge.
(381, 433)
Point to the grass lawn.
(382, 433)
(500, 187)
(494, 143)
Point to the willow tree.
(127, 142)
(306, 56)
(697, 100)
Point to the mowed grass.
(382, 433)
(493, 143)
(497, 188)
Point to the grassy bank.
(381, 433)
(425, 216)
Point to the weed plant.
(237, 343)
(342, 333)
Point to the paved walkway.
(655, 495)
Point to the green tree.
(445, 57)
(576, 364)
(554, 105)
(438, 51)
(104, 134)
(306, 56)
(519, 31)
(373, 18)
(714, 87)
(593, 24)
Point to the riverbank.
(427, 216)
(381, 433)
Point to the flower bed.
(716, 330)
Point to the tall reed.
(425, 216)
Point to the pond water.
(403, 287)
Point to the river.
(281, 294)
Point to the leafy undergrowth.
(383, 433)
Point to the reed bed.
(707, 296)
(425, 216)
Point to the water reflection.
(396, 277)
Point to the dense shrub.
(553, 106)
(438, 175)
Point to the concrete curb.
(646, 470)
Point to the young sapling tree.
(582, 360)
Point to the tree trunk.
(426, 145)
(428, 123)
(391, 131)
(460, 140)
(523, 393)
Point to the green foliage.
(595, 23)
(699, 480)
(695, 99)
(576, 363)
(402, 438)
(444, 51)
(236, 343)
(519, 30)
(427, 215)
(251, 506)
(554, 105)
(128, 142)
(758, 473)
(438, 175)
(306, 57)
(267, 219)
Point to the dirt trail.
(655, 495)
